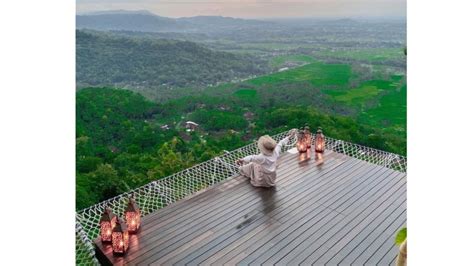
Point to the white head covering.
(266, 145)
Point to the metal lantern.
(319, 142)
(319, 146)
(107, 224)
(307, 136)
(120, 238)
(302, 147)
(301, 144)
(132, 216)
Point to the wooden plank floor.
(344, 212)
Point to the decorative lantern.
(301, 144)
(120, 238)
(319, 145)
(302, 147)
(132, 216)
(107, 224)
(319, 142)
(307, 136)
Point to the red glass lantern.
(307, 136)
(120, 238)
(107, 224)
(132, 216)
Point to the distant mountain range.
(119, 11)
(145, 21)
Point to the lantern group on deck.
(302, 147)
(319, 145)
(116, 231)
(304, 141)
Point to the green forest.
(120, 144)
(107, 59)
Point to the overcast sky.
(254, 8)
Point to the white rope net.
(162, 192)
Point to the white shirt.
(267, 162)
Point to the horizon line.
(91, 13)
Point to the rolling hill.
(145, 21)
(127, 21)
(106, 59)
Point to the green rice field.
(374, 55)
(318, 74)
(377, 102)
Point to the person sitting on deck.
(261, 168)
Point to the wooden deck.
(345, 211)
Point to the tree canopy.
(120, 144)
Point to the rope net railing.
(163, 192)
(371, 155)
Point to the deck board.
(168, 222)
(329, 195)
(226, 205)
(297, 238)
(262, 205)
(364, 214)
(346, 211)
